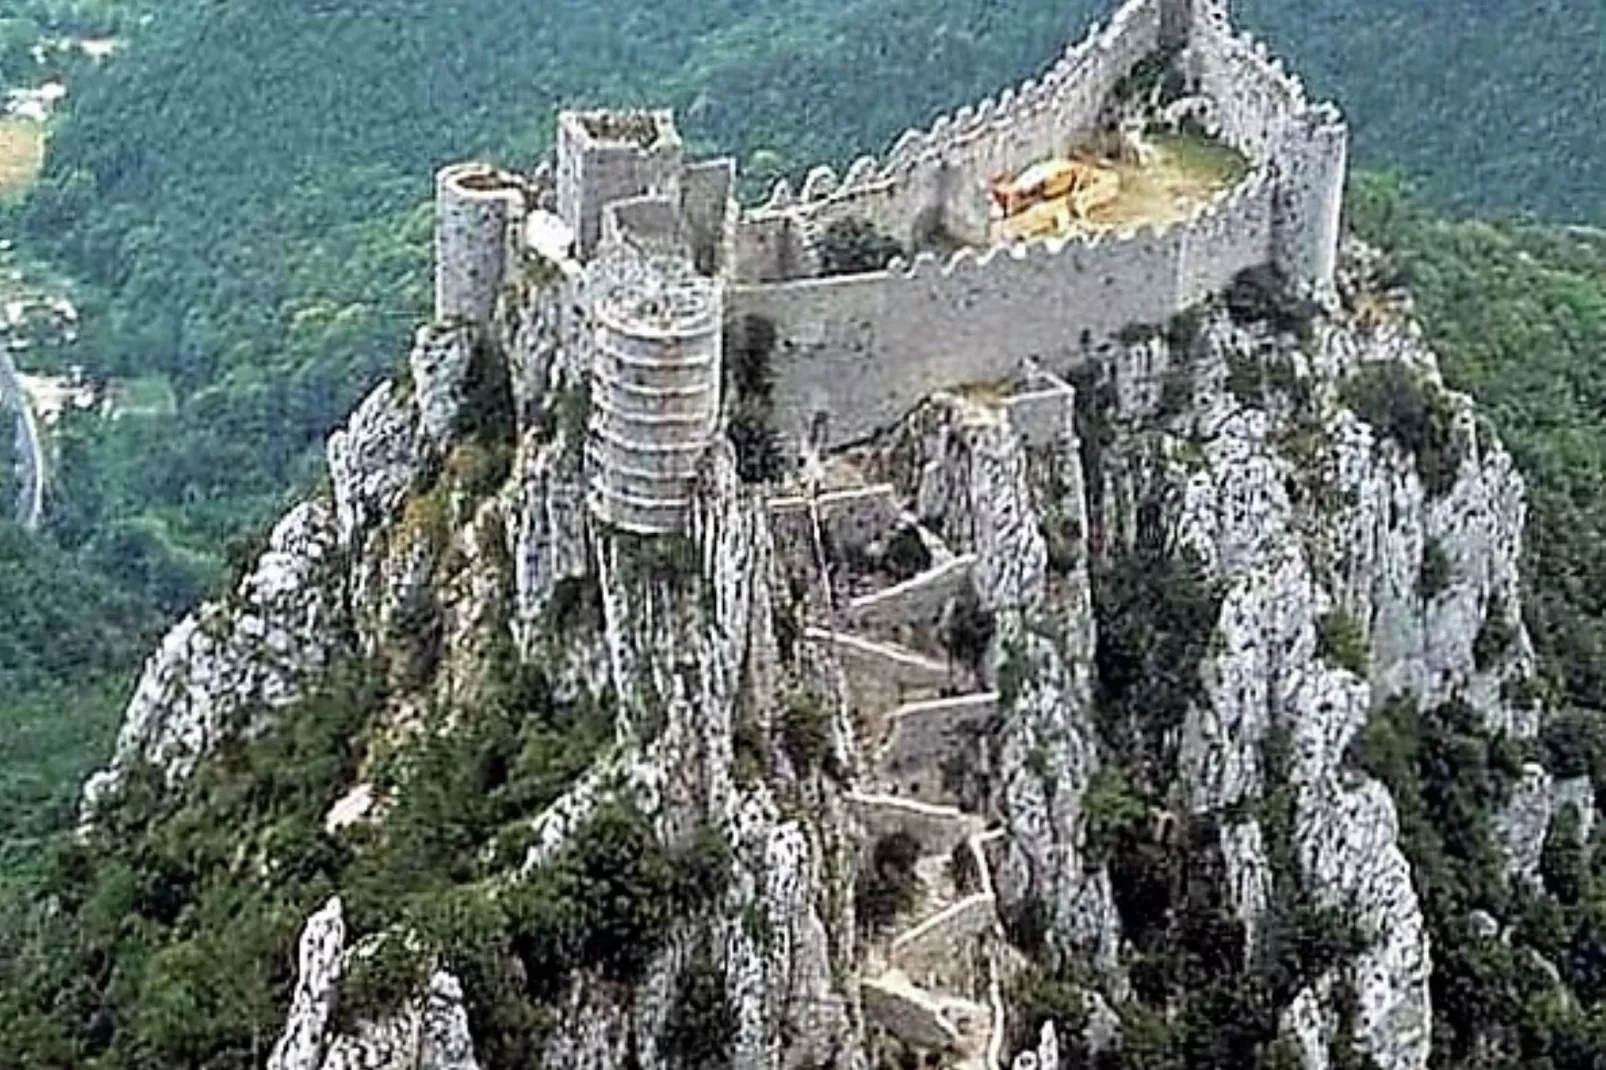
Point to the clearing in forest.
(22, 154)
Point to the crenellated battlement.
(1080, 78)
(847, 354)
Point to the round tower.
(475, 205)
(654, 389)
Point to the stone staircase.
(931, 981)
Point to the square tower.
(608, 156)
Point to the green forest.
(240, 200)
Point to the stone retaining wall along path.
(931, 983)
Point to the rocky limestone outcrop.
(372, 460)
(227, 666)
(1530, 815)
(440, 363)
(1389, 521)
(319, 966)
(547, 534)
(429, 1032)
(976, 482)
(1267, 678)
(1297, 510)
(692, 649)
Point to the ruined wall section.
(707, 206)
(855, 353)
(938, 176)
(651, 224)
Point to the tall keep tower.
(609, 156)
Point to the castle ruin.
(658, 269)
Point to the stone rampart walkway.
(921, 723)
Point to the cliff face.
(1119, 637)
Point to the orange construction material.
(1083, 185)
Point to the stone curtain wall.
(1263, 112)
(1225, 238)
(941, 173)
(865, 349)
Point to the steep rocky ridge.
(1189, 579)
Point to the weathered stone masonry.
(654, 395)
(853, 353)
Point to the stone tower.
(475, 209)
(654, 388)
(610, 156)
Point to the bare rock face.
(320, 967)
(688, 650)
(1046, 1056)
(231, 663)
(439, 364)
(1268, 675)
(226, 667)
(1579, 794)
(547, 532)
(1530, 817)
(372, 460)
(1392, 531)
(429, 1032)
(1047, 760)
(1522, 826)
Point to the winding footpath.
(932, 981)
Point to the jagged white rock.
(1522, 823)
(321, 965)
(548, 535)
(373, 460)
(1046, 1056)
(1266, 672)
(1536, 801)
(1579, 793)
(227, 666)
(428, 1032)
